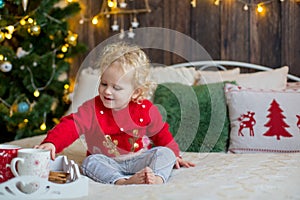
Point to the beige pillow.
(170, 74)
(86, 88)
(274, 79)
(205, 77)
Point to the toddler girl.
(128, 143)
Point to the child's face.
(116, 87)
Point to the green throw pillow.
(197, 115)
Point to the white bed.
(216, 176)
(219, 175)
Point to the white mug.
(31, 162)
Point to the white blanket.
(216, 176)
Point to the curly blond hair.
(130, 57)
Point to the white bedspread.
(216, 176)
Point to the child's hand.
(182, 163)
(48, 146)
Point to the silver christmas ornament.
(6, 66)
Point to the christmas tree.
(36, 47)
(276, 123)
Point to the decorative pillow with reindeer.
(263, 120)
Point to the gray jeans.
(104, 169)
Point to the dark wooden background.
(227, 32)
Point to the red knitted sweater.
(111, 132)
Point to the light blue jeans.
(108, 170)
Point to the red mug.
(7, 153)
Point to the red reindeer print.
(298, 123)
(247, 121)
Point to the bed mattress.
(216, 176)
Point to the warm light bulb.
(95, 20)
(193, 3)
(10, 29)
(1, 57)
(64, 48)
(112, 4)
(36, 93)
(43, 126)
(60, 55)
(30, 20)
(23, 22)
(245, 7)
(66, 86)
(71, 39)
(25, 121)
(217, 2)
(260, 8)
(8, 35)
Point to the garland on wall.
(246, 5)
(123, 15)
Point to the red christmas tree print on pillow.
(298, 123)
(276, 122)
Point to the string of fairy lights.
(118, 10)
(260, 6)
(115, 8)
(246, 5)
(34, 29)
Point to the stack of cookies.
(59, 177)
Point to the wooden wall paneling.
(180, 21)
(167, 13)
(254, 39)
(153, 19)
(171, 15)
(234, 31)
(205, 27)
(91, 34)
(102, 30)
(226, 31)
(290, 48)
(265, 35)
(88, 34)
(176, 17)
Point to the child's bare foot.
(137, 178)
(150, 178)
(145, 176)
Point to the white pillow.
(273, 79)
(170, 74)
(206, 77)
(263, 120)
(86, 88)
